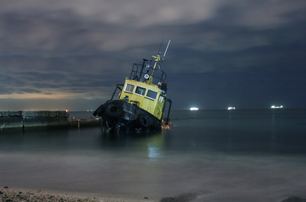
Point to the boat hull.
(119, 114)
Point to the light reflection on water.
(204, 153)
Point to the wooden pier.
(42, 119)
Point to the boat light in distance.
(277, 107)
(231, 108)
(194, 109)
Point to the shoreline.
(29, 195)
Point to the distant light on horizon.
(194, 109)
(276, 107)
(231, 108)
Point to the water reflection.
(153, 151)
(150, 143)
(155, 145)
(221, 131)
(204, 153)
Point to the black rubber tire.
(113, 110)
(144, 121)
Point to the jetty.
(43, 119)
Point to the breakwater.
(42, 119)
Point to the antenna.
(166, 50)
(157, 59)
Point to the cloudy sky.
(70, 53)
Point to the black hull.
(118, 114)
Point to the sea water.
(213, 155)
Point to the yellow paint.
(153, 106)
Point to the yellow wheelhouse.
(141, 101)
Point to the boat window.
(129, 88)
(152, 94)
(140, 90)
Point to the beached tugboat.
(140, 103)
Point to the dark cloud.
(82, 48)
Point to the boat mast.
(157, 58)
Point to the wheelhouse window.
(129, 88)
(152, 94)
(140, 90)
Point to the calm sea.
(247, 155)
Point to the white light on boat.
(231, 108)
(276, 107)
(146, 76)
(194, 109)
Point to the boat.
(141, 102)
(276, 107)
(231, 108)
(193, 109)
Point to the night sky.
(71, 53)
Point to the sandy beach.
(22, 195)
(25, 195)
